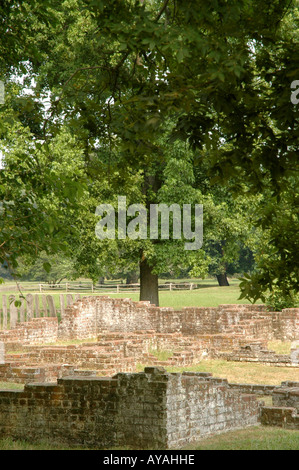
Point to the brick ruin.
(149, 410)
(96, 378)
(257, 353)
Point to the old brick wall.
(35, 331)
(285, 410)
(2, 352)
(282, 417)
(122, 410)
(22, 373)
(152, 409)
(257, 352)
(198, 406)
(89, 316)
(286, 396)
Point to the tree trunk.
(148, 284)
(149, 289)
(222, 279)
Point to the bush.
(277, 300)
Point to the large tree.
(118, 71)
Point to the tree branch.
(162, 10)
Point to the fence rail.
(112, 288)
(48, 305)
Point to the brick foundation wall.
(89, 316)
(259, 353)
(285, 410)
(152, 409)
(20, 373)
(35, 331)
(2, 352)
(282, 417)
(199, 406)
(286, 396)
(112, 352)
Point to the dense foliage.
(160, 101)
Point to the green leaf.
(47, 266)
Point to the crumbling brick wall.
(2, 352)
(35, 331)
(201, 406)
(285, 410)
(152, 410)
(287, 396)
(282, 417)
(89, 316)
(257, 352)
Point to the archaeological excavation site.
(82, 385)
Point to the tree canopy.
(129, 85)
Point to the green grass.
(253, 438)
(280, 347)
(11, 386)
(11, 444)
(208, 295)
(239, 372)
(161, 355)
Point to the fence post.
(44, 302)
(13, 312)
(40, 287)
(170, 286)
(51, 304)
(22, 310)
(191, 286)
(37, 309)
(117, 289)
(30, 312)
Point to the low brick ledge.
(284, 417)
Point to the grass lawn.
(238, 372)
(253, 438)
(208, 295)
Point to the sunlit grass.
(253, 438)
(280, 347)
(11, 386)
(208, 295)
(239, 372)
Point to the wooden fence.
(47, 305)
(32, 306)
(112, 288)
